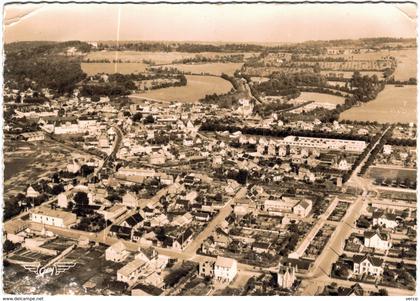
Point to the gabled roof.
(185, 235)
(375, 261)
(304, 203)
(134, 219)
(381, 235)
(386, 215)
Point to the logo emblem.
(52, 270)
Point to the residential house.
(367, 264)
(377, 239)
(130, 200)
(181, 241)
(32, 193)
(303, 208)
(384, 219)
(117, 252)
(52, 217)
(133, 221)
(225, 269)
(131, 272)
(62, 200)
(113, 212)
(221, 238)
(206, 269)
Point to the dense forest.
(43, 65)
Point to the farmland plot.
(393, 104)
(197, 87)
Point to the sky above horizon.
(207, 22)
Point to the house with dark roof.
(377, 239)
(181, 241)
(221, 238)
(303, 208)
(384, 219)
(133, 221)
(354, 290)
(367, 265)
(120, 232)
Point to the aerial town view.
(209, 150)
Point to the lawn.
(197, 87)
(393, 104)
(320, 97)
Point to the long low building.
(324, 143)
(53, 217)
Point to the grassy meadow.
(393, 104)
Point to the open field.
(406, 64)
(393, 104)
(123, 68)
(197, 87)
(320, 97)
(156, 57)
(209, 68)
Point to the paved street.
(333, 249)
(224, 212)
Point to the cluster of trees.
(300, 58)
(375, 152)
(268, 108)
(410, 81)
(286, 84)
(361, 157)
(180, 47)
(230, 99)
(42, 66)
(365, 88)
(233, 58)
(123, 84)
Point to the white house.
(387, 149)
(303, 208)
(31, 192)
(377, 240)
(129, 199)
(113, 212)
(62, 200)
(131, 272)
(53, 217)
(384, 219)
(73, 167)
(343, 165)
(225, 269)
(116, 252)
(367, 264)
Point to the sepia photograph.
(209, 149)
